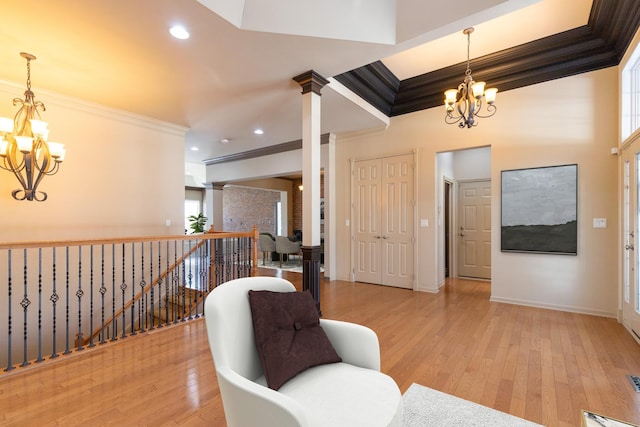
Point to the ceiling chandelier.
(465, 108)
(24, 149)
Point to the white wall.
(123, 175)
(570, 120)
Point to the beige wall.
(123, 175)
(570, 120)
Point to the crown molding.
(599, 44)
(50, 98)
(264, 151)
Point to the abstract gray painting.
(540, 210)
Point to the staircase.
(180, 305)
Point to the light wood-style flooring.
(538, 364)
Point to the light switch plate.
(599, 222)
(424, 223)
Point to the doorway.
(383, 221)
(457, 172)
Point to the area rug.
(286, 266)
(425, 407)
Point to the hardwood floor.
(538, 364)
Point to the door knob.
(628, 247)
(385, 237)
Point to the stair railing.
(67, 296)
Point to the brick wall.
(297, 205)
(244, 207)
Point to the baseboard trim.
(557, 307)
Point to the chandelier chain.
(468, 71)
(28, 74)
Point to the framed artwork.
(591, 419)
(540, 210)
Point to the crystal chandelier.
(465, 108)
(24, 149)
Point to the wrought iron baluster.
(54, 299)
(66, 348)
(152, 305)
(201, 278)
(167, 294)
(39, 359)
(250, 257)
(25, 305)
(133, 287)
(175, 296)
(114, 330)
(183, 283)
(103, 291)
(91, 343)
(123, 288)
(190, 280)
(79, 295)
(142, 296)
(228, 258)
(9, 318)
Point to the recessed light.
(179, 32)
(258, 131)
(195, 149)
(224, 141)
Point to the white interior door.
(631, 219)
(367, 235)
(384, 217)
(474, 229)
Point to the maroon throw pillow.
(288, 335)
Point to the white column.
(311, 83)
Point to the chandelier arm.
(451, 120)
(15, 194)
(42, 149)
(13, 165)
(42, 172)
(491, 110)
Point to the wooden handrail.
(119, 240)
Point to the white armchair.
(351, 393)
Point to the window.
(630, 99)
(191, 207)
(278, 216)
